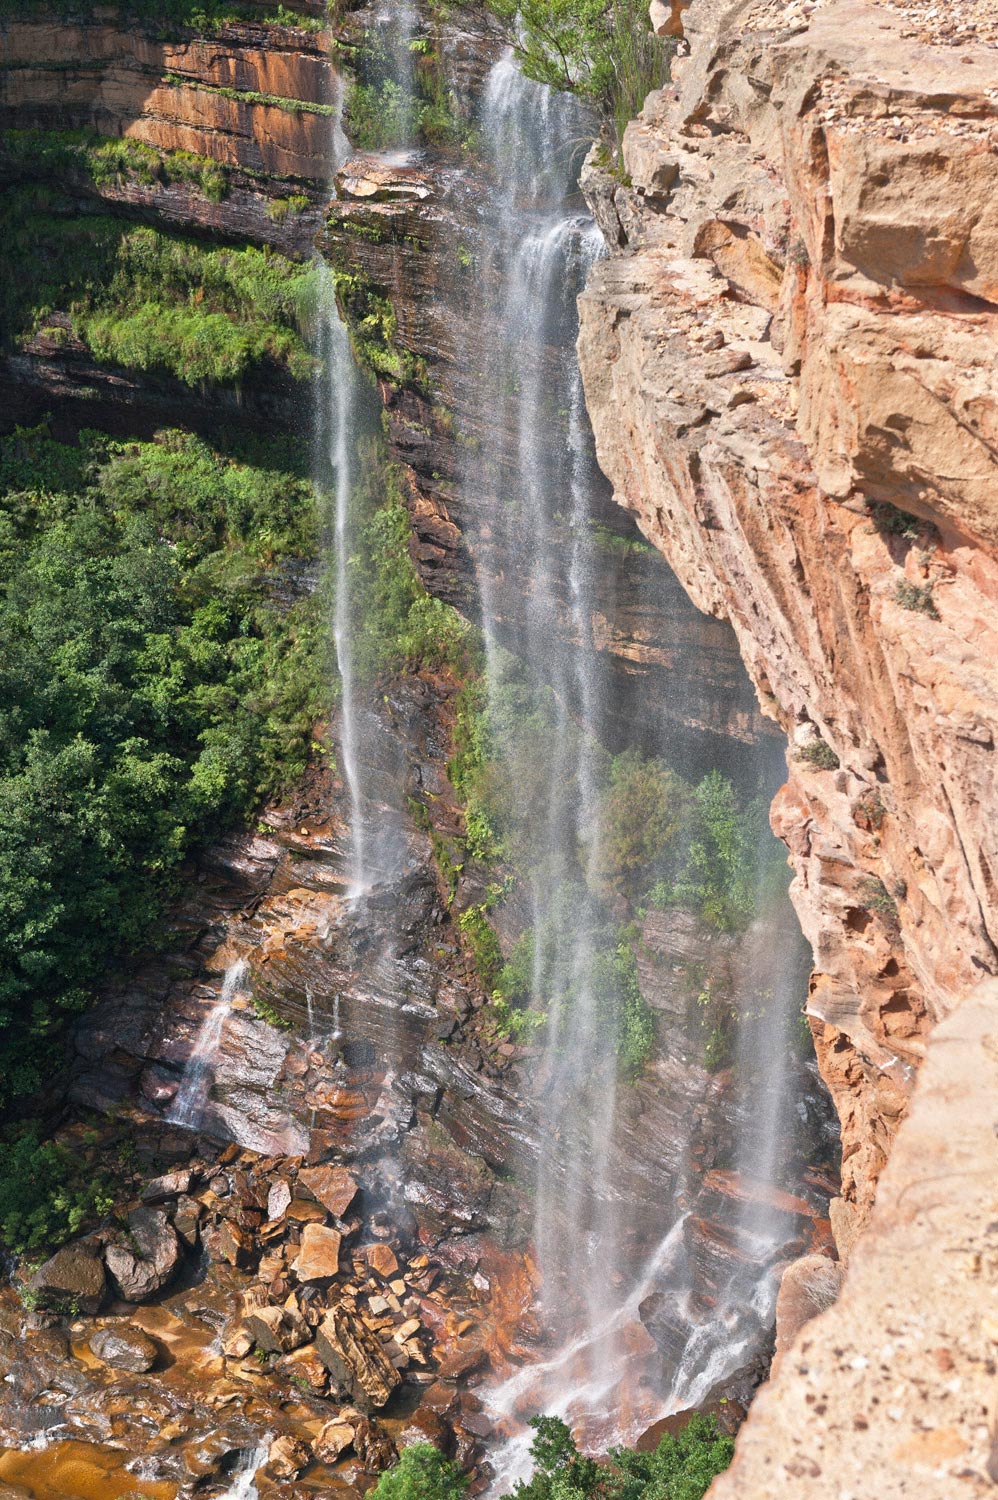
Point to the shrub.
(47, 1194)
(681, 1467)
(602, 50)
(891, 521)
(422, 1473)
(877, 898)
(484, 944)
(819, 754)
(914, 596)
(723, 863)
(642, 812)
(403, 624)
(155, 301)
(150, 693)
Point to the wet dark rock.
(144, 1266)
(186, 1219)
(372, 1444)
(73, 1279)
(124, 1349)
(427, 1426)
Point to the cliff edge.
(789, 359)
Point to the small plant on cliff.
(877, 898)
(818, 753)
(914, 596)
(483, 942)
(892, 521)
(642, 812)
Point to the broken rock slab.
(355, 1360)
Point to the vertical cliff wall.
(789, 365)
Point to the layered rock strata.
(788, 363)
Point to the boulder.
(809, 1286)
(319, 1256)
(143, 1267)
(170, 1185)
(382, 1258)
(305, 1369)
(277, 1330)
(278, 1200)
(186, 1218)
(72, 1280)
(333, 1187)
(373, 179)
(355, 1359)
(235, 1245)
(372, 1444)
(426, 1426)
(333, 1439)
(124, 1349)
(288, 1457)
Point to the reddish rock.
(288, 1458)
(73, 1277)
(382, 1259)
(334, 1187)
(355, 1359)
(333, 1440)
(236, 1245)
(809, 1286)
(277, 1330)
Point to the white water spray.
(243, 1486)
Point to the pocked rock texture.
(789, 363)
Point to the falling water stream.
(538, 563)
(191, 1098)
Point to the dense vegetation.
(658, 842)
(399, 93)
(152, 688)
(170, 17)
(149, 300)
(602, 50)
(680, 1468)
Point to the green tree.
(642, 812)
(602, 50)
(422, 1473)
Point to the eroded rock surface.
(789, 345)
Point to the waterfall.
(537, 594)
(243, 1486)
(191, 1098)
(337, 421)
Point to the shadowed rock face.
(801, 345)
(423, 235)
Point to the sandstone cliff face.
(795, 337)
(123, 79)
